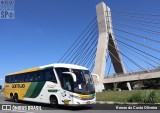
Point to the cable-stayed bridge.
(120, 48)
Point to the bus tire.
(16, 98)
(12, 97)
(53, 102)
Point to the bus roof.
(48, 66)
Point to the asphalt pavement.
(67, 109)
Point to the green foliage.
(140, 96)
(149, 83)
(147, 97)
(137, 97)
(152, 97)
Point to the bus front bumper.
(84, 102)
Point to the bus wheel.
(53, 102)
(16, 98)
(12, 97)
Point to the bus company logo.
(6, 107)
(18, 85)
(7, 9)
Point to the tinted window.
(49, 75)
(60, 72)
(43, 75)
(39, 76)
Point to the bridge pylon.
(105, 41)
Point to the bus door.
(67, 92)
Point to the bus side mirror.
(95, 76)
(71, 74)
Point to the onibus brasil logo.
(7, 9)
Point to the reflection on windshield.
(84, 84)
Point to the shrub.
(147, 97)
(137, 97)
(152, 97)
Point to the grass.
(121, 96)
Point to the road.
(64, 109)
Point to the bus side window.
(39, 76)
(7, 79)
(10, 79)
(22, 78)
(35, 77)
(18, 78)
(28, 77)
(50, 76)
(13, 79)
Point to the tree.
(0, 86)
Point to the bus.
(64, 84)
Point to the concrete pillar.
(100, 60)
(129, 86)
(106, 38)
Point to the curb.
(133, 103)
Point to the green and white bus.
(54, 84)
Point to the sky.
(43, 29)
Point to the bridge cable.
(138, 50)
(138, 57)
(128, 58)
(144, 37)
(138, 43)
(91, 50)
(137, 28)
(135, 21)
(80, 47)
(139, 53)
(84, 50)
(118, 60)
(129, 13)
(135, 16)
(78, 39)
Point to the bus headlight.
(74, 96)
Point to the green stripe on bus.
(31, 89)
(37, 90)
(55, 90)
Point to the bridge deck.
(133, 77)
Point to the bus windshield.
(84, 84)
